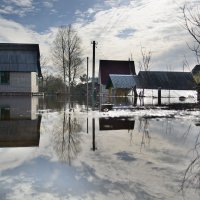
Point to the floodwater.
(49, 152)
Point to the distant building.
(19, 68)
(147, 83)
(113, 67)
(166, 80)
(107, 67)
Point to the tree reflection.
(192, 173)
(144, 128)
(67, 138)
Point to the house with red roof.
(108, 67)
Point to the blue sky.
(120, 27)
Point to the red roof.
(107, 67)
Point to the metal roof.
(107, 67)
(166, 80)
(20, 57)
(121, 81)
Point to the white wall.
(19, 82)
(34, 82)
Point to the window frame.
(5, 75)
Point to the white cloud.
(6, 10)
(48, 4)
(21, 3)
(16, 33)
(17, 7)
(156, 23)
(158, 29)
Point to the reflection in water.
(127, 123)
(144, 128)
(19, 124)
(93, 135)
(87, 126)
(67, 138)
(192, 173)
(117, 170)
(116, 123)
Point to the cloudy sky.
(121, 27)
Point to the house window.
(5, 113)
(4, 77)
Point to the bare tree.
(186, 64)
(44, 64)
(45, 70)
(191, 17)
(67, 54)
(146, 57)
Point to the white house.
(19, 68)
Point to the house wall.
(19, 82)
(23, 82)
(34, 82)
(103, 90)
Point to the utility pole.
(87, 83)
(93, 72)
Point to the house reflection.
(116, 123)
(19, 123)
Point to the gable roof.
(121, 81)
(166, 80)
(107, 67)
(20, 57)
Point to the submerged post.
(159, 96)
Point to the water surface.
(48, 152)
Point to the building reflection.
(127, 123)
(116, 123)
(19, 123)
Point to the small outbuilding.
(19, 68)
(121, 84)
(118, 67)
